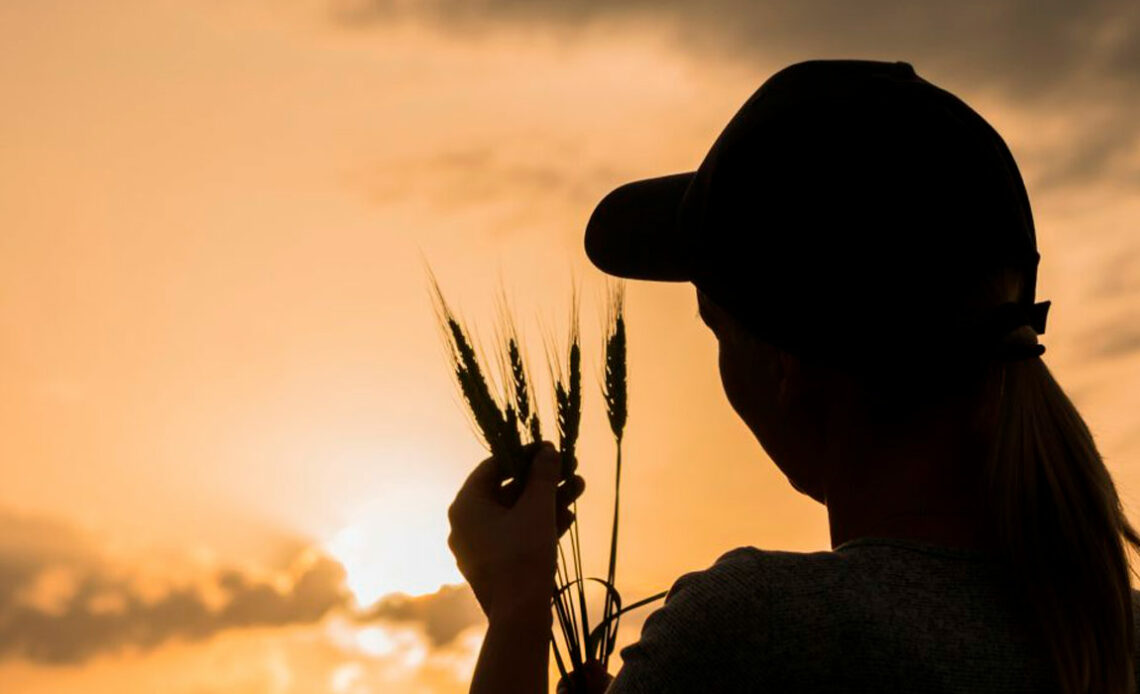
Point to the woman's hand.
(592, 678)
(508, 552)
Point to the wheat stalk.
(568, 417)
(615, 390)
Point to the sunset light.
(230, 431)
(402, 551)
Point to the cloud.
(27, 544)
(444, 615)
(1120, 276)
(1079, 60)
(66, 612)
(1030, 45)
(1118, 337)
(524, 189)
(62, 601)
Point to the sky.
(227, 429)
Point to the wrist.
(522, 610)
(518, 595)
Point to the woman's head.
(865, 253)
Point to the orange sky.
(219, 365)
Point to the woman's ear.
(801, 384)
(788, 376)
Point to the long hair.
(1053, 509)
(1059, 523)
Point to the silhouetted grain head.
(568, 394)
(615, 383)
(482, 406)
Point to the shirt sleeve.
(708, 636)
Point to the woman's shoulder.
(807, 616)
(852, 581)
(749, 573)
(753, 561)
(719, 622)
(757, 593)
(751, 570)
(873, 556)
(740, 595)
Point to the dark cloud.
(1117, 338)
(97, 611)
(28, 544)
(461, 177)
(1030, 45)
(1113, 285)
(443, 614)
(1120, 275)
(1057, 56)
(529, 189)
(447, 613)
(61, 602)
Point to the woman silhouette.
(863, 248)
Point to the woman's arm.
(515, 652)
(508, 554)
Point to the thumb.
(542, 482)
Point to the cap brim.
(634, 231)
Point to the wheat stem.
(615, 393)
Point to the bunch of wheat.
(503, 419)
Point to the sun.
(396, 546)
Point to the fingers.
(569, 466)
(531, 449)
(567, 494)
(482, 484)
(509, 493)
(565, 518)
(545, 468)
(484, 478)
(542, 481)
(485, 481)
(570, 490)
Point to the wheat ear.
(615, 389)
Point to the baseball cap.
(846, 211)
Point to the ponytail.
(1059, 523)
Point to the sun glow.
(399, 546)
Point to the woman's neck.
(925, 493)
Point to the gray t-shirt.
(875, 615)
